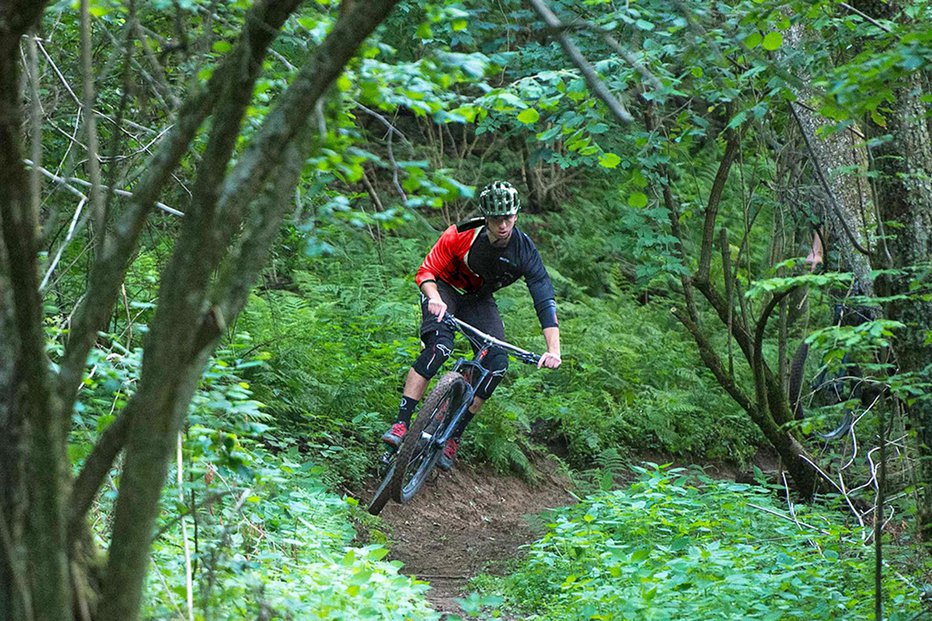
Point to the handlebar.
(523, 355)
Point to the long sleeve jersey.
(465, 259)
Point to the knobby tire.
(797, 374)
(418, 455)
(383, 493)
(798, 383)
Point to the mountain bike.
(408, 467)
(814, 384)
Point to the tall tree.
(224, 239)
(902, 155)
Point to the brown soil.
(475, 520)
(468, 522)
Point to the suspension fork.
(475, 374)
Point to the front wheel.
(419, 453)
(382, 494)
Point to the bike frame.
(474, 374)
(473, 371)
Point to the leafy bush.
(678, 546)
(266, 538)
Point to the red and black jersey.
(465, 259)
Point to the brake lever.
(530, 358)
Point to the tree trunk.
(847, 214)
(226, 231)
(904, 197)
(190, 318)
(33, 568)
(904, 194)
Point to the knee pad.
(497, 364)
(438, 346)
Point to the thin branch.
(788, 518)
(392, 131)
(596, 85)
(66, 182)
(188, 578)
(713, 362)
(35, 121)
(732, 141)
(833, 201)
(866, 17)
(95, 198)
(61, 249)
(626, 55)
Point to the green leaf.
(459, 24)
(221, 47)
(773, 41)
(638, 199)
(753, 40)
(609, 160)
(738, 119)
(529, 116)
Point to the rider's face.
(500, 228)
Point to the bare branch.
(596, 85)
(832, 199)
(66, 182)
(107, 271)
(732, 140)
(714, 363)
(96, 198)
(865, 16)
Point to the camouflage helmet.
(499, 198)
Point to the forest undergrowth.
(286, 423)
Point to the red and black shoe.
(394, 435)
(445, 462)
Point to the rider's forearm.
(552, 337)
(429, 289)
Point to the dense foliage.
(674, 172)
(247, 519)
(679, 545)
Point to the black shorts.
(479, 312)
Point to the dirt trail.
(468, 522)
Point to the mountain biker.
(469, 262)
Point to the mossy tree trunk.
(903, 157)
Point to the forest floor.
(475, 520)
(471, 521)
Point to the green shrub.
(266, 538)
(678, 546)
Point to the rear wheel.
(419, 453)
(813, 388)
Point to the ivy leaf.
(609, 160)
(773, 41)
(529, 116)
(638, 199)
